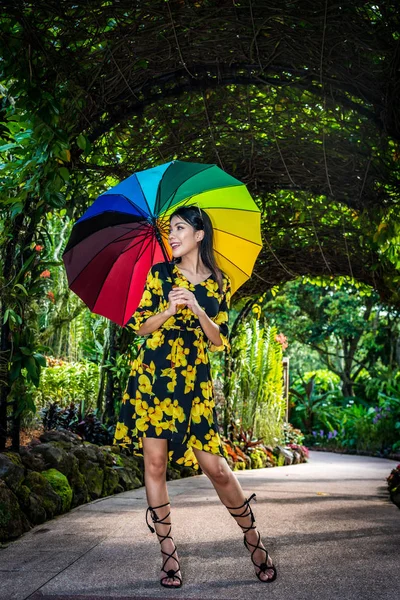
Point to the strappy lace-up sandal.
(170, 573)
(246, 512)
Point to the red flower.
(45, 274)
(282, 339)
(38, 248)
(50, 295)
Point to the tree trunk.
(5, 385)
(109, 409)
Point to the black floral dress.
(170, 392)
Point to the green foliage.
(349, 330)
(256, 396)
(69, 382)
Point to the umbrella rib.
(186, 200)
(158, 208)
(175, 192)
(144, 197)
(100, 287)
(237, 236)
(230, 209)
(97, 253)
(232, 263)
(134, 263)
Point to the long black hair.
(199, 220)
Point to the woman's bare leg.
(230, 493)
(155, 454)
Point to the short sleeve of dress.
(150, 301)
(222, 318)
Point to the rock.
(109, 459)
(61, 435)
(172, 474)
(85, 453)
(33, 462)
(12, 470)
(56, 458)
(127, 479)
(39, 486)
(60, 485)
(94, 478)
(31, 504)
(13, 522)
(80, 494)
(110, 482)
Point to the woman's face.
(183, 238)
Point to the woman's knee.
(155, 466)
(155, 459)
(218, 473)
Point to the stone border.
(58, 472)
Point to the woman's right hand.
(173, 299)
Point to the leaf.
(64, 173)
(15, 371)
(20, 286)
(31, 367)
(25, 350)
(81, 141)
(40, 359)
(6, 147)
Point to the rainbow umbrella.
(124, 232)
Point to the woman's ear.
(200, 235)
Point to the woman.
(168, 409)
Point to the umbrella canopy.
(125, 231)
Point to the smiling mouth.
(174, 246)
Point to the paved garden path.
(329, 525)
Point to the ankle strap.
(247, 512)
(154, 516)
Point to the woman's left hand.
(184, 296)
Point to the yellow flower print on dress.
(222, 317)
(138, 396)
(195, 443)
(206, 389)
(142, 423)
(125, 397)
(136, 367)
(213, 442)
(212, 288)
(141, 407)
(188, 459)
(144, 385)
(201, 351)
(155, 340)
(120, 431)
(172, 374)
(178, 352)
(151, 368)
(172, 409)
(146, 299)
(207, 412)
(197, 410)
(155, 415)
(190, 375)
(155, 284)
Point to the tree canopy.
(300, 101)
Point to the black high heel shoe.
(247, 511)
(170, 573)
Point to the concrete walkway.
(329, 526)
